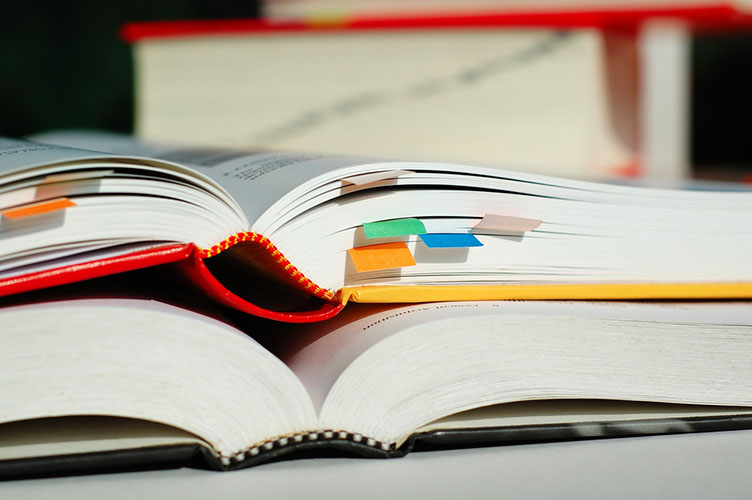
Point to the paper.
(76, 176)
(383, 256)
(361, 180)
(38, 208)
(450, 240)
(396, 227)
(503, 224)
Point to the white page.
(144, 359)
(341, 340)
(17, 154)
(259, 181)
(255, 180)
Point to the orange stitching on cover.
(286, 265)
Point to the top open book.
(346, 228)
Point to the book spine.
(348, 442)
(281, 263)
(263, 256)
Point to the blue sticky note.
(450, 240)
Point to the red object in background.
(717, 16)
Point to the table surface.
(707, 465)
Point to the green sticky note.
(396, 227)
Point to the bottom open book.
(86, 384)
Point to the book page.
(18, 154)
(320, 355)
(58, 201)
(134, 153)
(258, 181)
(142, 359)
(255, 180)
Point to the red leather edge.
(95, 269)
(191, 264)
(195, 269)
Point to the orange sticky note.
(382, 256)
(40, 208)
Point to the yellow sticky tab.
(40, 208)
(382, 256)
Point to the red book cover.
(190, 262)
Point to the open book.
(346, 228)
(376, 381)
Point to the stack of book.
(174, 305)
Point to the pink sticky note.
(363, 179)
(504, 224)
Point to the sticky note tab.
(363, 179)
(396, 227)
(40, 208)
(450, 240)
(383, 256)
(503, 224)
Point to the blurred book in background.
(580, 91)
(539, 100)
